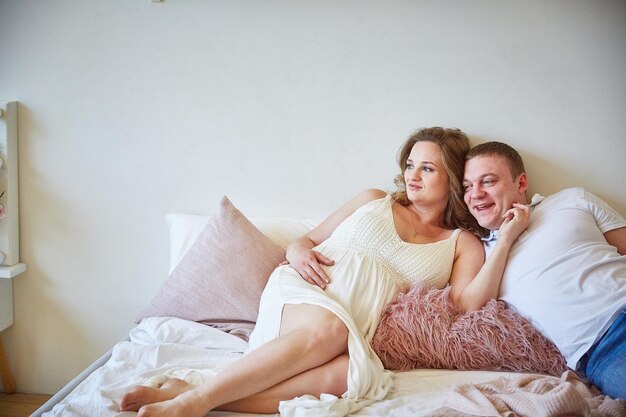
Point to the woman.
(312, 336)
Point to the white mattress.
(160, 344)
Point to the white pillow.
(184, 228)
(283, 230)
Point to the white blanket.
(161, 344)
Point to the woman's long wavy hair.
(454, 146)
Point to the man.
(566, 272)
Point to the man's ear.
(522, 183)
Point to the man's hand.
(516, 220)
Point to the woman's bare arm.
(473, 282)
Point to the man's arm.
(617, 238)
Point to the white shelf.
(12, 271)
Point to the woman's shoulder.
(467, 241)
(366, 197)
(369, 197)
(373, 194)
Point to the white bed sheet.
(160, 344)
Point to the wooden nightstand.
(7, 273)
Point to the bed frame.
(70, 386)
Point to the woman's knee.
(336, 379)
(330, 335)
(322, 329)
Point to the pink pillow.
(220, 279)
(425, 329)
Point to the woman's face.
(425, 176)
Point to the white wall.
(132, 109)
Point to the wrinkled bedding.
(158, 345)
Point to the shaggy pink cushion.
(425, 329)
(220, 279)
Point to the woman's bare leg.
(310, 337)
(330, 378)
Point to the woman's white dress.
(372, 265)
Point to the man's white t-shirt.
(561, 272)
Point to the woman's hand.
(516, 220)
(308, 263)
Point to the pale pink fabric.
(534, 395)
(424, 329)
(220, 279)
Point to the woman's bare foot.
(181, 406)
(141, 395)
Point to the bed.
(158, 344)
(201, 318)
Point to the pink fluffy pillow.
(424, 329)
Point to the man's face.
(490, 189)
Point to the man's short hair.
(513, 158)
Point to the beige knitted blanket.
(531, 395)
